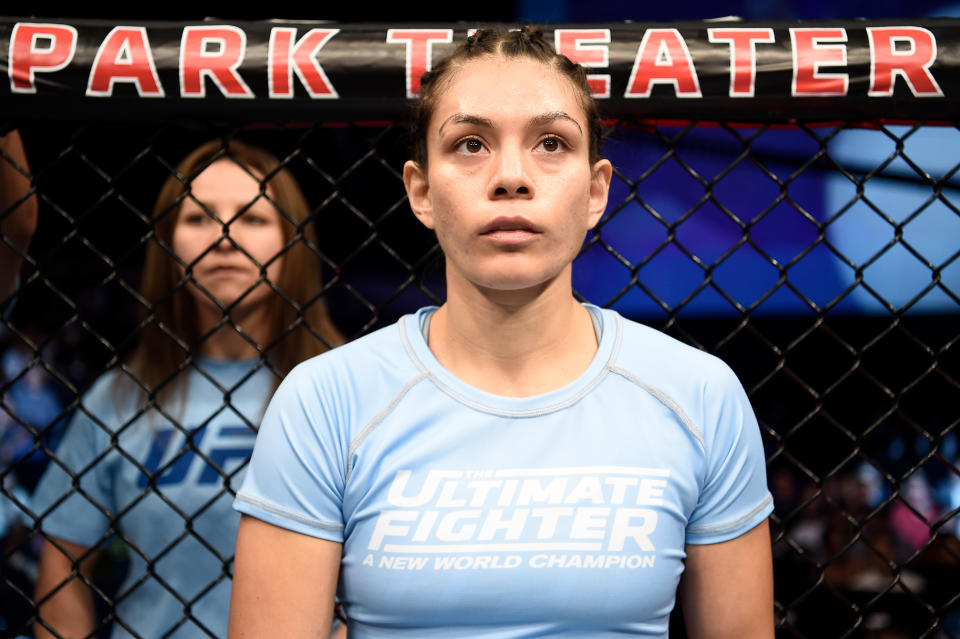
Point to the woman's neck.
(513, 343)
(227, 342)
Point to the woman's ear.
(600, 177)
(418, 192)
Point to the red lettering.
(887, 60)
(419, 58)
(810, 53)
(743, 56)
(279, 69)
(287, 56)
(576, 45)
(663, 58)
(124, 56)
(38, 48)
(212, 52)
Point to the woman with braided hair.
(512, 463)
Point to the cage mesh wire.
(853, 380)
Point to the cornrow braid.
(525, 42)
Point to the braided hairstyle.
(526, 42)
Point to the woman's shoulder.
(647, 348)
(695, 380)
(111, 390)
(338, 392)
(105, 404)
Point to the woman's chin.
(533, 279)
(239, 301)
(515, 285)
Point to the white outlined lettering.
(419, 55)
(663, 58)
(743, 56)
(198, 62)
(287, 56)
(124, 56)
(812, 50)
(888, 60)
(588, 48)
(28, 56)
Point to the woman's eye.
(195, 218)
(471, 146)
(551, 145)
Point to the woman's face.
(509, 188)
(226, 200)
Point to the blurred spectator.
(912, 512)
(18, 211)
(32, 411)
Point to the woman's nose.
(511, 179)
(219, 237)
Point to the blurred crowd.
(868, 550)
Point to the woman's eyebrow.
(547, 118)
(465, 118)
(536, 121)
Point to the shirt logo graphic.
(608, 512)
(225, 450)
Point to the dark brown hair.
(301, 326)
(526, 42)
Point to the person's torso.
(560, 515)
(171, 477)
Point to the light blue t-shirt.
(196, 453)
(466, 514)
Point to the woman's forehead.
(493, 85)
(226, 181)
(225, 176)
(228, 168)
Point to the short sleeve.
(734, 497)
(79, 512)
(297, 472)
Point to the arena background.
(819, 258)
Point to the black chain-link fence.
(820, 262)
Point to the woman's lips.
(225, 271)
(511, 236)
(510, 230)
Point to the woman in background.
(159, 444)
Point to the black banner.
(306, 71)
